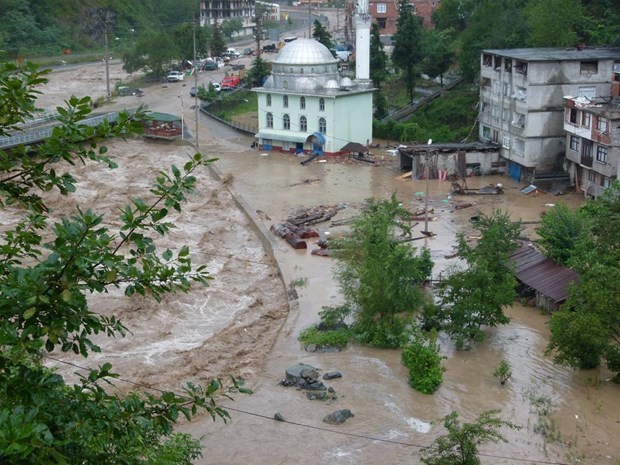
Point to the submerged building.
(305, 106)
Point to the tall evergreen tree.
(378, 58)
(407, 53)
(321, 34)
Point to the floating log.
(461, 206)
(295, 241)
(302, 232)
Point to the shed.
(162, 126)
(549, 280)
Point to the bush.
(337, 338)
(421, 357)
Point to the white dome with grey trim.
(305, 52)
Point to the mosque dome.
(307, 84)
(346, 82)
(332, 85)
(305, 52)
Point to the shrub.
(421, 356)
(337, 338)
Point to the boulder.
(338, 417)
(332, 375)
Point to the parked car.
(193, 91)
(248, 51)
(210, 65)
(233, 53)
(175, 76)
(230, 82)
(216, 86)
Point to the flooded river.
(566, 416)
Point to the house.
(592, 129)
(213, 12)
(162, 126)
(522, 101)
(385, 13)
(542, 277)
(305, 106)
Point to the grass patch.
(336, 338)
(235, 104)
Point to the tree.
(184, 40)
(378, 58)
(321, 34)
(407, 52)
(21, 32)
(475, 296)
(503, 372)
(559, 232)
(231, 26)
(49, 269)
(438, 52)
(586, 329)
(453, 14)
(379, 275)
(218, 44)
(153, 52)
(421, 356)
(259, 72)
(460, 445)
(544, 29)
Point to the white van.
(233, 52)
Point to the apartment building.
(522, 101)
(592, 142)
(385, 13)
(216, 11)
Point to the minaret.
(362, 41)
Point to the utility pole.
(107, 62)
(309, 19)
(195, 81)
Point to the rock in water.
(338, 417)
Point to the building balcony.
(586, 161)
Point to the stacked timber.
(314, 215)
(294, 234)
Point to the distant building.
(425, 10)
(385, 13)
(216, 11)
(306, 107)
(592, 142)
(522, 105)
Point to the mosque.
(305, 106)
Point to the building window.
(285, 101)
(519, 147)
(286, 122)
(521, 67)
(486, 82)
(519, 120)
(487, 60)
(508, 65)
(520, 94)
(587, 92)
(268, 100)
(589, 67)
(303, 124)
(302, 103)
(506, 115)
(601, 154)
(382, 23)
(486, 133)
(506, 89)
(585, 119)
(591, 176)
(381, 8)
(572, 115)
(605, 181)
(322, 125)
(494, 112)
(601, 125)
(285, 84)
(321, 104)
(506, 142)
(574, 143)
(495, 137)
(269, 120)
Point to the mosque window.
(322, 104)
(285, 101)
(322, 125)
(303, 124)
(269, 120)
(286, 120)
(302, 103)
(285, 84)
(268, 100)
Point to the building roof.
(557, 54)
(543, 274)
(305, 52)
(447, 147)
(163, 117)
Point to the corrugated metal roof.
(542, 274)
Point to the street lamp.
(427, 174)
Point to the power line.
(317, 428)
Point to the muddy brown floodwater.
(243, 324)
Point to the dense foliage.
(460, 445)
(380, 275)
(407, 52)
(49, 269)
(474, 297)
(559, 232)
(586, 330)
(421, 356)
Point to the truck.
(230, 82)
